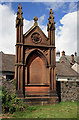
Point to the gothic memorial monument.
(35, 65)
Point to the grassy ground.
(62, 110)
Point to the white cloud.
(55, 6)
(66, 8)
(72, 7)
(27, 25)
(7, 29)
(41, 19)
(78, 32)
(66, 38)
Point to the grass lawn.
(62, 110)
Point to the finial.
(19, 6)
(35, 20)
(51, 20)
(19, 18)
(51, 12)
(19, 13)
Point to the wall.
(68, 90)
(9, 85)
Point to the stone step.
(41, 100)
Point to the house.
(71, 60)
(63, 70)
(58, 56)
(7, 67)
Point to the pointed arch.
(36, 53)
(36, 68)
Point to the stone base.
(45, 99)
(36, 99)
(41, 100)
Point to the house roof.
(8, 62)
(76, 58)
(67, 58)
(62, 69)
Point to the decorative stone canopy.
(35, 20)
(51, 23)
(19, 18)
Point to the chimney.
(72, 58)
(58, 53)
(63, 53)
(57, 56)
(75, 53)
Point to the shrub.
(10, 103)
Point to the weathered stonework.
(68, 90)
(9, 85)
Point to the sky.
(65, 14)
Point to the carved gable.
(35, 36)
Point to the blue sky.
(31, 9)
(65, 14)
